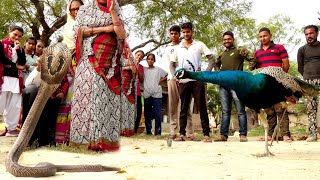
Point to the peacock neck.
(239, 81)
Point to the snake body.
(55, 63)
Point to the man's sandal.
(180, 138)
(207, 139)
(192, 138)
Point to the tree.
(214, 105)
(209, 17)
(282, 29)
(41, 17)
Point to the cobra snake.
(55, 63)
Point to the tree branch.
(127, 2)
(40, 14)
(52, 9)
(26, 11)
(58, 24)
(158, 44)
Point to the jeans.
(226, 96)
(153, 106)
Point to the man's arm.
(284, 58)
(285, 64)
(300, 60)
(246, 55)
(172, 68)
(211, 63)
(211, 60)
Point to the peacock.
(257, 90)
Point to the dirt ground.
(152, 159)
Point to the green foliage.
(293, 70)
(282, 29)
(299, 108)
(214, 105)
(210, 18)
(39, 18)
(9, 13)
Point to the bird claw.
(275, 134)
(265, 154)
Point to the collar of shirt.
(271, 44)
(182, 43)
(171, 44)
(226, 49)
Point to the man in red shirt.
(271, 54)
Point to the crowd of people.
(101, 96)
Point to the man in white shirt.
(189, 56)
(173, 93)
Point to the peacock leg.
(277, 128)
(266, 128)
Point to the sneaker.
(243, 138)
(13, 133)
(221, 138)
(312, 139)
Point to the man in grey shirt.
(309, 67)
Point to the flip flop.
(207, 139)
(262, 139)
(193, 138)
(180, 138)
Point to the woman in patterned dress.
(97, 106)
(62, 134)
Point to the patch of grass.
(299, 130)
(165, 136)
(72, 149)
(150, 137)
(259, 131)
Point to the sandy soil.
(152, 159)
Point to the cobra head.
(180, 73)
(55, 62)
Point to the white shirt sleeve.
(174, 55)
(33, 78)
(204, 49)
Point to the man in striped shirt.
(271, 54)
